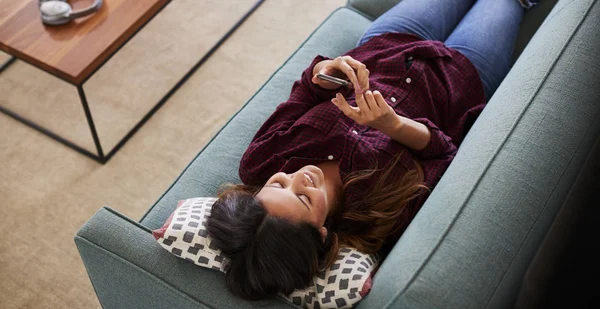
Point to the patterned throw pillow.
(342, 285)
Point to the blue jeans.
(482, 30)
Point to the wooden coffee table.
(75, 51)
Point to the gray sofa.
(474, 242)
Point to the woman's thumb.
(315, 79)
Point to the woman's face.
(298, 197)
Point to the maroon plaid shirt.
(422, 80)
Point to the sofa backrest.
(474, 238)
(533, 18)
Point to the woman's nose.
(298, 179)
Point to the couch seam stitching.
(88, 274)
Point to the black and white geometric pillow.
(184, 234)
(342, 285)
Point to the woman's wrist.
(394, 127)
(409, 133)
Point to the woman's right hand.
(344, 67)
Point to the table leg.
(88, 116)
(7, 63)
(50, 134)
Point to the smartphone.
(335, 80)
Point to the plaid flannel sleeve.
(440, 144)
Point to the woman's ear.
(323, 232)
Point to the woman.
(351, 166)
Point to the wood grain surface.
(75, 50)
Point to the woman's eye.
(277, 184)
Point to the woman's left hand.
(372, 110)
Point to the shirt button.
(354, 131)
(330, 157)
(408, 80)
(393, 99)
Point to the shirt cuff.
(440, 144)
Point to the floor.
(47, 191)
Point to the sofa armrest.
(129, 269)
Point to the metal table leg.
(98, 157)
(7, 63)
(88, 116)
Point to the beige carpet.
(47, 191)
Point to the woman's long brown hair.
(382, 208)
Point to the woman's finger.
(343, 105)
(381, 102)
(343, 66)
(371, 100)
(363, 78)
(362, 103)
(361, 72)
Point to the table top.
(75, 50)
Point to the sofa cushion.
(342, 285)
(218, 162)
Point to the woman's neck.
(333, 182)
